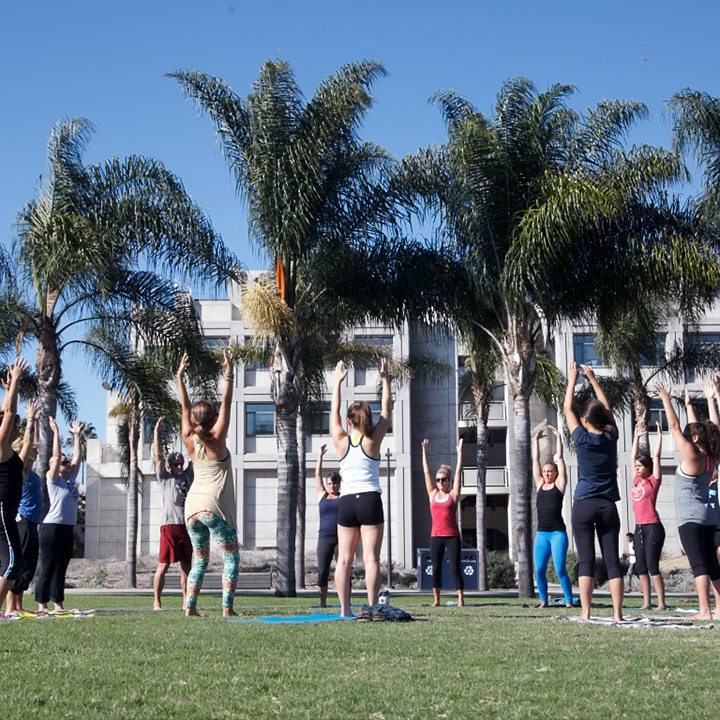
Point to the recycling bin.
(468, 568)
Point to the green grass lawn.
(500, 660)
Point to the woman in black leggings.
(328, 495)
(445, 533)
(699, 447)
(649, 535)
(594, 511)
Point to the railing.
(495, 477)
(498, 412)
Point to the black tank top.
(549, 510)
(11, 484)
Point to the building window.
(703, 344)
(259, 420)
(219, 342)
(657, 414)
(260, 352)
(320, 419)
(361, 365)
(584, 350)
(376, 408)
(656, 355)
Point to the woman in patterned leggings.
(210, 503)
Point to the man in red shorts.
(175, 543)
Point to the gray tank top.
(691, 497)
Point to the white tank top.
(359, 472)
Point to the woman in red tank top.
(445, 533)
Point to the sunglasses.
(64, 462)
(442, 479)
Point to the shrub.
(601, 576)
(500, 571)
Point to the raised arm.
(599, 392)
(29, 438)
(54, 469)
(381, 426)
(457, 483)
(429, 482)
(568, 412)
(222, 424)
(689, 409)
(186, 427)
(657, 453)
(640, 430)
(537, 468)
(693, 460)
(709, 390)
(561, 481)
(337, 432)
(319, 486)
(76, 430)
(10, 408)
(157, 447)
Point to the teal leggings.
(200, 527)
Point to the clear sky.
(105, 61)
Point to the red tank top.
(444, 522)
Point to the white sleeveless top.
(360, 473)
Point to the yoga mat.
(317, 617)
(670, 622)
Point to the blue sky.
(105, 62)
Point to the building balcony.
(495, 477)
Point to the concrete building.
(424, 408)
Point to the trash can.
(468, 568)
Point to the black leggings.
(437, 550)
(698, 541)
(648, 540)
(10, 550)
(29, 544)
(596, 515)
(327, 544)
(56, 546)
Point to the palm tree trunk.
(288, 469)
(301, 505)
(132, 500)
(521, 496)
(480, 505)
(48, 369)
(641, 408)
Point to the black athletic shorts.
(358, 509)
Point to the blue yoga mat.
(316, 617)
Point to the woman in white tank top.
(360, 514)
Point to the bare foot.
(618, 618)
(585, 615)
(350, 614)
(229, 612)
(157, 606)
(542, 605)
(59, 608)
(461, 603)
(702, 616)
(646, 607)
(191, 612)
(661, 607)
(435, 604)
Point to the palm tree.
(315, 204)
(82, 248)
(549, 215)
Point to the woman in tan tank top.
(210, 503)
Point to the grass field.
(498, 659)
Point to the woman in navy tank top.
(328, 494)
